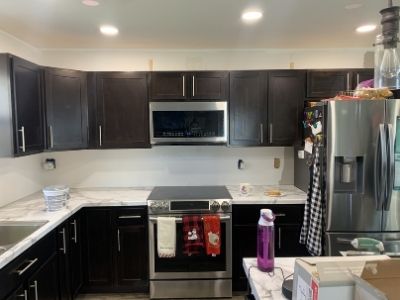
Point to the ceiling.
(191, 24)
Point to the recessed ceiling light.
(353, 6)
(366, 28)
(90, 2)
(251, 16)
(109, 30)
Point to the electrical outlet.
(277, 163)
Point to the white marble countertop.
(266, 286)
(32, 208)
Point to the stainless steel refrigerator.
(362, 175)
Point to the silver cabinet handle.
(358, 78)
(271, 133)
(129, 217)
(35, 287)
(279, 237)
(22, 130)
(75, 237)
(119, 241)
(31, 263)
(24, 295)
(100, 136)
(348, 81)
(193, 85)
(64, 247)
(280, 215)
(261, 133)
(183, 85)
(51, 136)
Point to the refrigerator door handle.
(380, 168)
(391, 173)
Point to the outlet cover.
(277, 163)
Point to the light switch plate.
(277, 163)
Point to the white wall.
(11, 44)
(224, 59)
(171, 165)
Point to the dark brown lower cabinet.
(44, 284)
(287, 232)
(115, 250)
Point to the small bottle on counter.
(265, 241)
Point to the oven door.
(197, 266)
(188, 122)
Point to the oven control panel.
(190, 206)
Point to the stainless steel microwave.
(177, 123)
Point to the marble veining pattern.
(32, 208)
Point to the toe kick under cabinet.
(115, 249)
(288, 222)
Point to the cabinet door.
(287, 241)
(248, 113)
(209, 86)
(361, 75)
(66, 109)
(63, 261)
(44, 284)
(75, 254)
(132, 249)
(123, 112)
(20, 294)
(98, 245)
(327, 83)
(27, 107)
(169, 86)
(285, 104)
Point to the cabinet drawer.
(131, 216)
(26, 264)
(285, 214)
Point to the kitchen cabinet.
(207, 86)
(248, 108)
(360, 75)
(286, 93)
(327, 83)
(35, 270)
(287, 233)
(122, 110)
(116, 250)
(70, 257)
(66, 109)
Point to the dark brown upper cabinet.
(360, 75)
(122, 110)
(66, 109)
(327, 83)
(207, 85)
(248, 108)
(26, 95)
(286, 93)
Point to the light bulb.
(390, 69)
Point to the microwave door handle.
(391, 168)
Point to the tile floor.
(130, 297)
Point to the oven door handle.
(179, 219)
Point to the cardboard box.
(328, 278)
(378, 280)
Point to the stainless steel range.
(199, 276)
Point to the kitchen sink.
(13, 232)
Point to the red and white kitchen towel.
(212, 234)
(192, 235)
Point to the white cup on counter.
(245, 189)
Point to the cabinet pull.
(271, 133)
(129, 217)
(358, 78)
(280, 215)
(22, 130)
(261, 133)
(51, 136)
(75, 237)
(348, 81)
(193, 85)
(35, 287)
(24, 295)
(279, 237)
(31, 263)
(64, 247)
(100, 137)
(119, 241)
(183, 85)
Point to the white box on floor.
(328, 278)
